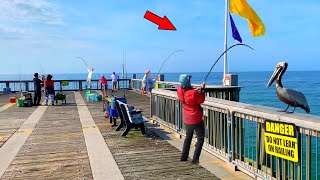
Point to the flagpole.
(225, 65)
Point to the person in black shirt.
(37, 89)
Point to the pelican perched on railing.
(289, 96)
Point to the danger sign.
(280, 140)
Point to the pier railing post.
(232, 127)
(80, 85)
(161, 77)
(131, 82)
(177, 111)
(27, 86)
(130, 87)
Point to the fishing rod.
(83, 61)
(167, 59)
(123, 57)
(43, 71)
(97, 74)
(126, 71)
(19, 71)
(239, 44)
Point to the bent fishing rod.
(167, 59)
(43, 71)
(83, 61)
(239, 44)
(98, 74)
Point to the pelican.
(290, 97)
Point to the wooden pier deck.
(75, 141)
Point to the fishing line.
(167, 59)
(239, 44)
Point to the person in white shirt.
(90, 71)
(114, 78)
(143, 87)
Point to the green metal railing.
(235, 134)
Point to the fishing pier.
(75, 141)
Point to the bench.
(130, 118)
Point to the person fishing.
(143, 86)
(114, 78)
(104, 83)
(49, 89)
(37, 89)
(148, 82)
(191, 100)
(90, 72)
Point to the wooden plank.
(11, 148)
(101, 160)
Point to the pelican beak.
(274, 76)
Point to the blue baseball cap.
(184, 79)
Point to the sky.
(52, 33)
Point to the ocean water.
(253, 85)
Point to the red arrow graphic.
(164, 23)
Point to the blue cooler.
(113, 110)
(7, 91)
(97, 98)
(90, 97)
(113, 102)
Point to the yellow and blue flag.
(243, 9)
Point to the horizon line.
(171, 72)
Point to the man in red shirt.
(192, 116)
(104, 83)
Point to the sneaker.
(183, 159)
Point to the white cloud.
(6, 29)
(29, 11)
